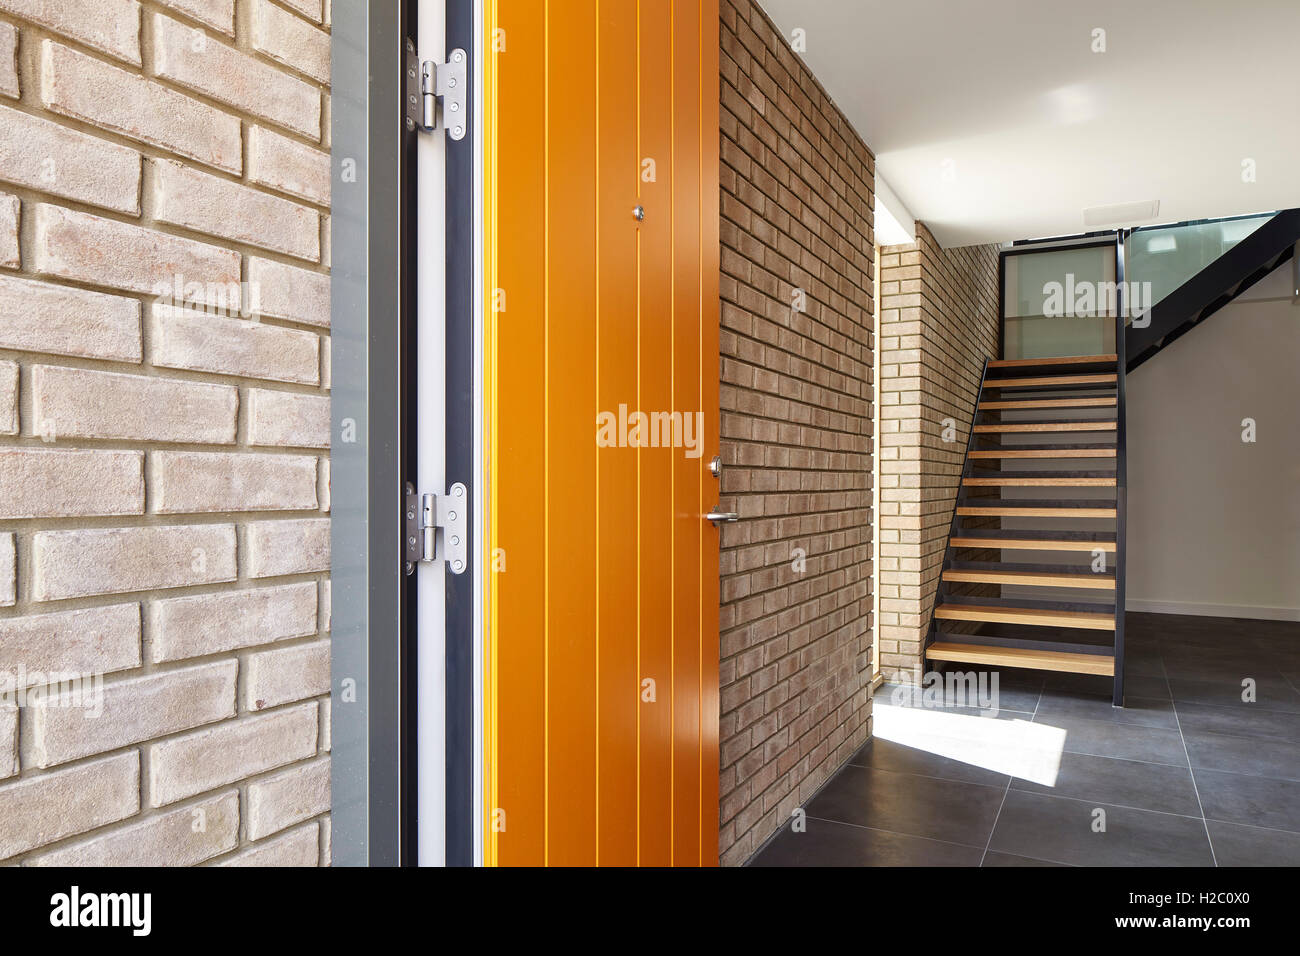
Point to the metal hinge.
(426, 82)
(425, 514)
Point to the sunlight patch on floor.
(1019, 748)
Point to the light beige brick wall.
(938, 323)
(796, 433)
(164, 472)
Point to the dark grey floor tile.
(1108, 739)
(826, 843)
(1237, 845)
(1213, 668)
(1255, 801)
(1055, 828)
(1283, 634)
(1150, 686)
(1090, 684)
(1238, 721)
(960, 700)
(1271, 692)
(1143, 665)
(947, 810)
(1007, 859)
(1251, 755)
(1288, 664)
(887, 755)
(1129, 783)
(1094, 685)
(1219, 636)
(1138, 711)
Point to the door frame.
(463, 441)
(371, 710)
(404, 725)
(445, 259)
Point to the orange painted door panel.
(601, 644)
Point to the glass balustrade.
(1062, 300)
(1159, 259)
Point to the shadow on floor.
(1188, 773)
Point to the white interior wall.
(1214, 522)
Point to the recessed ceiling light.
(1121, 214)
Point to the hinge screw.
(410, 123)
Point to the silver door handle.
(717, 516)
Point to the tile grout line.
(928, 776)
(901, 833)
(1042, 688)
(917, 836)
(1191, 772)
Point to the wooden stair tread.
(1012, 404)
(1039, 617)
(1004, 511)
(1054, 579)
(1068, 662)
(1057, 360)
(1043, 453)
(1099, 378)
(1080, 426)
(1039, 482)
(1031, 544)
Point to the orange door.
(602, 389)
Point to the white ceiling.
(993, 119)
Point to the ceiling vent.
(1120, 214)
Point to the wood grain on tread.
(1044, 453)
(1016, 427)
(998, 511)
(1039, 482)
(1038, 617)
(1061, 661)
(1053, 380)
(1047, 403)
(1059, 360)
(1032, 544)
(1052, 579)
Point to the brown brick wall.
(938, 323)
(164, 465)
(796, 432)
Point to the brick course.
(938, 323)
(796, 350)
(164, 322)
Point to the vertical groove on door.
(518, 526)
(710, 272)
(689, 531)
(548, 288)
(654, 401)
(571, 463)
(488, 763)
(616, 513)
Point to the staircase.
(1033, 574)
(1038, 523)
